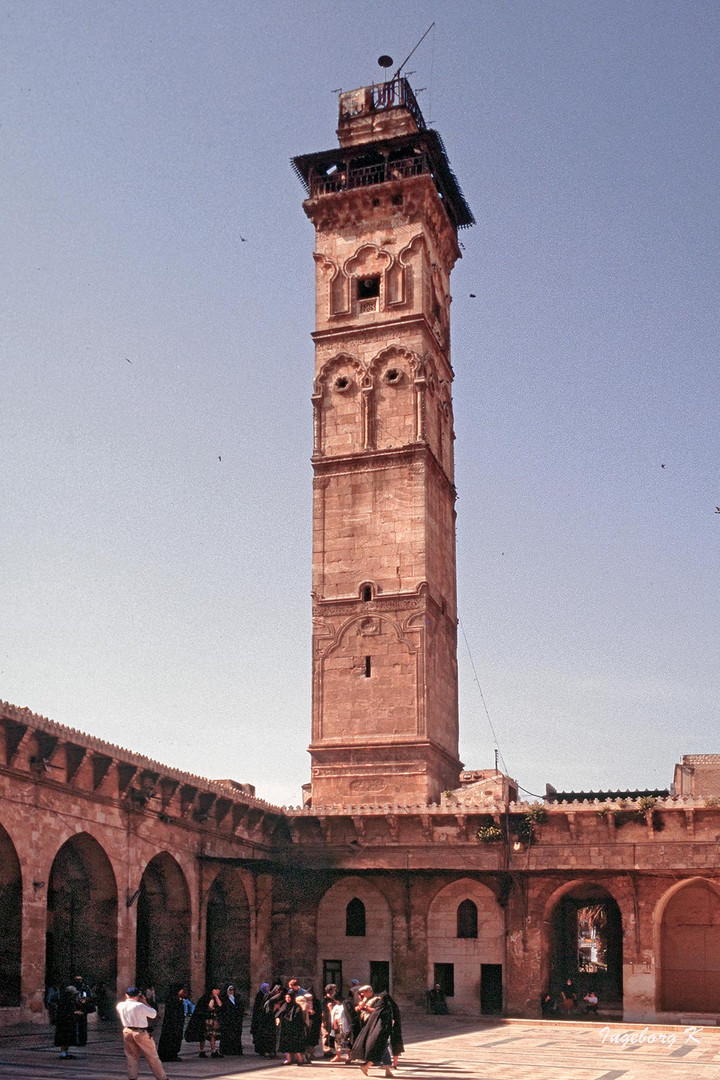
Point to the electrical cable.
(482, 698)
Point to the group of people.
(567, 1001)
(363, 1026)
(216, 1022)
(286, 1019)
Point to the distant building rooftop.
(553, 796)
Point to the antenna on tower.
(410, 53)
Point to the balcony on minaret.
(383, 139)
(383, 111)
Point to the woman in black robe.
(231, 1023)
(262, 1030)
(69, 1012)
(205, 1022)
(173, 1026)
(397, 1046)
(371, 1045)
(292, 1032)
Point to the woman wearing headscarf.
(69, 1012)
(173, 1026)
(263, 1027)
(257, 1018)
(371, 1045)
(292, 1031)
(312, 1013)
(231, 1023)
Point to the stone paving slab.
(438, 1048)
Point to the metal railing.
(389, 95)
(366, 175)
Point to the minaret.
(386, 210)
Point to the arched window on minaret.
(467, 919)
(355, 918)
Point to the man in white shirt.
(134, 1013)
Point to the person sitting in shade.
(436, 1000)
(568, 996)
(591, 1002)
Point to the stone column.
(34, 925)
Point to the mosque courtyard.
(437, 1048)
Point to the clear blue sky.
(155, 419)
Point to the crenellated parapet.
(65, 761)
(667, 834)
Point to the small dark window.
(467, 920)
(368, 287)
(397, 200)
(355, 919)
(367, 593)
(332, 973)
(380, 975)
(368, 667)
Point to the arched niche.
(227, 938)
(163, 926)
(82, 916)
(467, 965)
(343, 956)
(10, 921)
(394, 413)
(584, 941)
(690, 949)
(338, 397)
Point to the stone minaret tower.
(386, 210)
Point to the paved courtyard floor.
(437, 1048)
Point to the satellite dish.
(385, 61)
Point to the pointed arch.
(353, 954)
(82, 914)
(227, 933)
(163, 925)
(10, 921)
(339, 402)
(355, 920)
(583, 931)
(689, 947)
(467, 919)
(469, 959)
(396, 418)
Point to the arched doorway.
(82, 916)
(227, 950)
(586, 943)
(163, 926)
(690, 950)
(10, 921)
